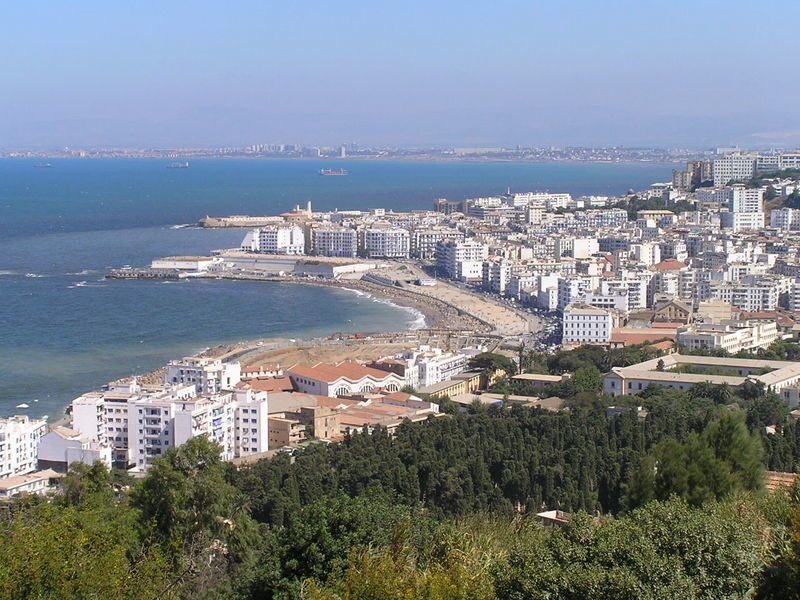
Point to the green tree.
(91, 550)
(587, 379)
(489, 362)
(197, 516)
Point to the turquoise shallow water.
(65, 330)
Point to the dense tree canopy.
(446, 508)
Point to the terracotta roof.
(349, 370)
(398, 396)
(665, 345)
(268, 384)
(633, 336)
(670, 265)
(666, 325)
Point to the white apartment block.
(63, 446)
(425, 241)
(277, 239)
(496, 275)
(744, 200)
(730, 336)
(550, 200)
(747, 295)
(154, 420)
(388, 242)
(335, 241)
(19, 440)
(612, 299)
(786, 219)
(648, 254)
(462, 260)
(596, 219)
(572, 289)
(208, 375)
(428, 366)
(742, 221)
(734, 167)
(586, 324)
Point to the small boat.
(23, 405)
(334, 172)
(42, 166)
(178, 165)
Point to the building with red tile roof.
(343, 379)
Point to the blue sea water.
(65, 330)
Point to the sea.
(65, 329)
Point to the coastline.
(438, 314)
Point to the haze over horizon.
(531, 73)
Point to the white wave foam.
(8, 273)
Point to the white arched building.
(344, 379)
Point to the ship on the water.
(334, 172)
(178, 165)
(42, 166)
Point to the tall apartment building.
(750, 294)
(425, 240)
(742, 221)
(335, 241)
(462, 260)
(572, 290)
(19, 438)
(277, 239)
(208, 375)
(423, 366)
(734, 167)
(154, 420)
(496, 274)
(786, 219)
(583, 323)
(745, 200)
(387, 242)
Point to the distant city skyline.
(417, 74)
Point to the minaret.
(308, 208)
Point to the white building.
(208, 375)
(424, 241)
(157, 419)
(19, 440)
(752, 294)
(276, 239)
(742, 221)
(462, 260)
(611, 299)
(648, 253)
(496, 275)
(787, 219)
(62, 446)
(572, 289)
(734, 167)
(335, 241)
(37, 483)
(583, 323)
(744, 200)
(387, 242)
(730, 336)
(343, 379)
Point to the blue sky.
(699, 73)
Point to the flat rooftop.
(780, 371)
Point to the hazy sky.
(468, 72)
